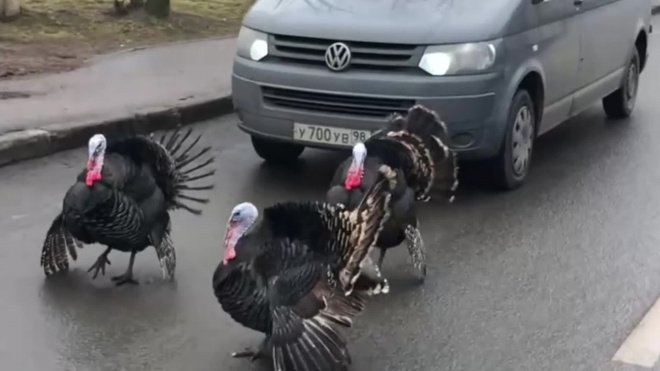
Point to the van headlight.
(458, 59)
(252, 44)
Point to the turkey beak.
(92, 158)
(94, 154)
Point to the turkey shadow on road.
(96, 324)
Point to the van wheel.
(621, 103)
(275, 151)
(512, 163)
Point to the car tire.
(512, 164)
(276, 152)
(621, 103)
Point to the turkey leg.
(381, 257)
(100, 263)
(128, 276)
(371, 280)
(416, 249)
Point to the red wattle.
(93, 174)
(353, 179)
(92, 177)
(230, 253)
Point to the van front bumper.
(270, 97)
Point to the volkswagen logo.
(338, 56)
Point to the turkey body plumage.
(293, 278)
(415, 147)
(127, 209)
(402, 205)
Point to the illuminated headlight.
(252, 44)
(458, 59)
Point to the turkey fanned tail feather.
(421, 139)
(173, 158)
(433, 131)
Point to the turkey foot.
(124, 278)
(248, 353)
(416, 250)
(100, 264)
(253, 354)
(128, 276)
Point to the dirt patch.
(58, 35)
(39, 57)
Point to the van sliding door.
(608, 34)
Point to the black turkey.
(295, 276)
(415, 147)
(123, 198)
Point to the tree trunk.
(157, 8)
(9, 9)
(123, 7)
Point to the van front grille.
(365, 55)
(335, 103)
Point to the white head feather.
(359, 152)
(97, 145)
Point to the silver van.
(327, 73)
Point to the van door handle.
(577, 2)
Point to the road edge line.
(32, 143)
(642, 346)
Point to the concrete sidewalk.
(146, 89)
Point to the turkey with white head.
(296, 275)
(123, 198)
(415, 146)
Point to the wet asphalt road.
(553, 276)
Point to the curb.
(32, 143)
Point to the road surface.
(554, 276)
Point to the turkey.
(123, 198)
(415, 147)
(295, 276)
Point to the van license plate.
(329, 135)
